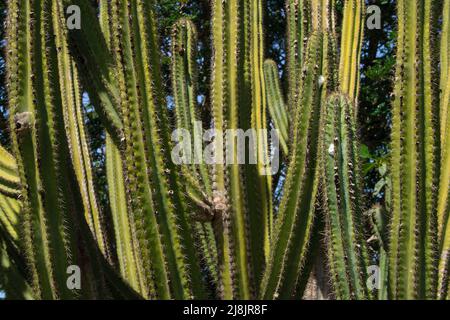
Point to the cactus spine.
(415, 150)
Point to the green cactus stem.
(126, 242)
(229, 220)
(158, 208)
(76, 136)
(299, 28)
(9, 178)
(184, 88)
(351, 44)
(347, 253)
(34, 107)
(275, 103)
(90, 51)
(415, 154)
(444, 182)
(296, 213)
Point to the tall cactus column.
(227, 188)
(126, 242)
(299, 28)
(254, 107)
(296, 214)
(347, 255)
(351, 44)
(444, 183)
(154, 195)
(50, 192)
(415, 154)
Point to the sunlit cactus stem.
(184, 86)
(298, 30)
(275, 103)
(347, 252)
(228, 19)
(296, 214)
(351, 46)
(444, 183)
(415, 154)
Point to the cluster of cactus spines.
(343, 200)
(415, 154)
(275, 103)
(351, 45)
(444, 186)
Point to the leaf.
(365, 152)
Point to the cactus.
(9, 179)
(444, 184)
(347, 252)
(90, 50)
(133, 42)
(202, 230)
(301, 184)
(126, 241)
(275, 103)
(299, 28)
(415, 154)
(351, 43)
(34, 136)
(228, 221)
